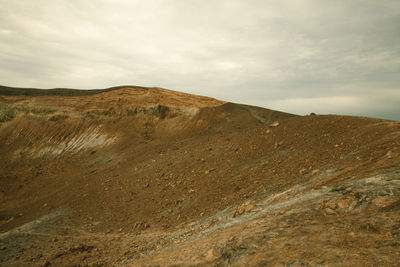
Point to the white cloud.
(318, 104)
(384, 104)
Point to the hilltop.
(142, 176)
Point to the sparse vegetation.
(12, 91)
(6, 114)
(159, 111)
(9, 112)
(58, 117)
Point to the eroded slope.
(146, 176)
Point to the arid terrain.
(134, 176)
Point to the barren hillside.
(134, 176)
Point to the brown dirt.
(151, 177)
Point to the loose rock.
(274, 124)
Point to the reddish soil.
(151, 177)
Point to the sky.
(322, 56)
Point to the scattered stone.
(81, 248)
(389, 154)
(141, 225)
(331, 204)
(385, 201)
(274, 124)
(239, 211)
(44, 205)
(46, 263)
(268, 131)
(245, 207)
(329, 211)
(316, 171)
(302, 170)
(370, 227)
(212, 254)
(343, 203)
(208, 171)
(3, 247)
(278, 144)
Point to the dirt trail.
(134, 176)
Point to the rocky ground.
(135, 176)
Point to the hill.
(141, 176)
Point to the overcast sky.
(323, 56)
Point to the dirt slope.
(151, 177)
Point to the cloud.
(255, 52)
(384, 104)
